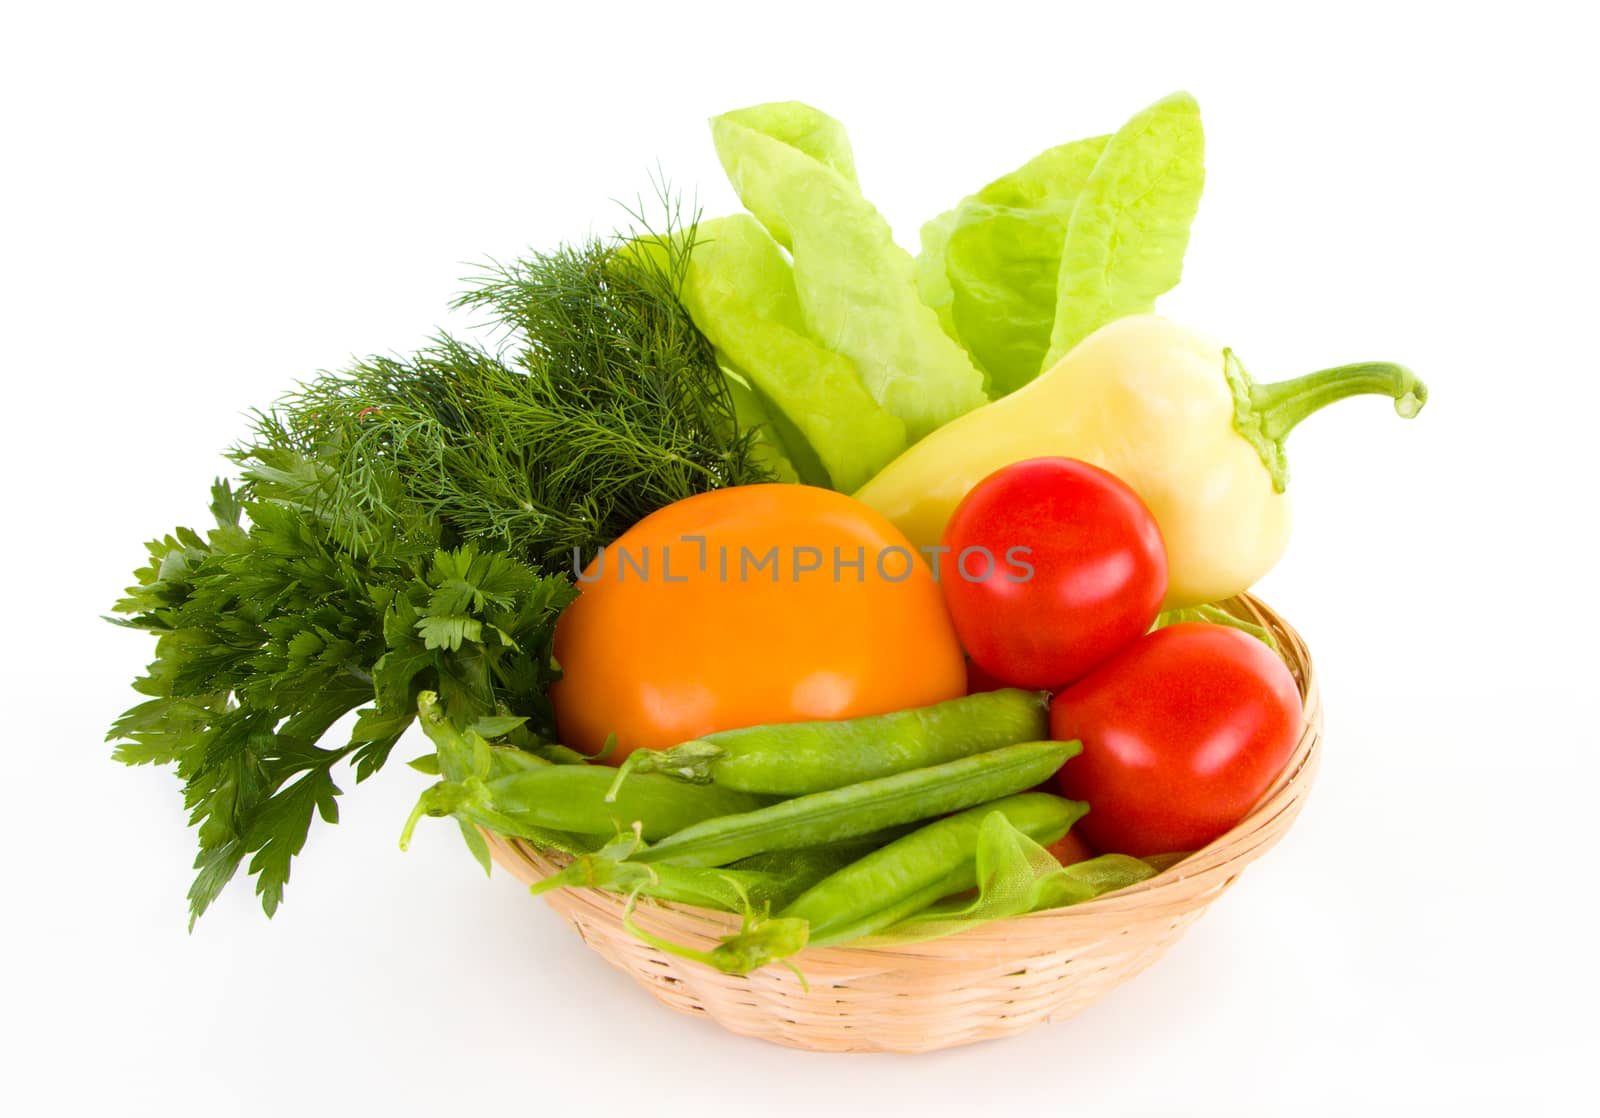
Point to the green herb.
(606, 405)
(270, 634)
(406, 526)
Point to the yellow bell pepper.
(1171, 413)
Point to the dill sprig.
(602, 404)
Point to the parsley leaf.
(270, 633)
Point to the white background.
(201, 205)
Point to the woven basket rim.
(1284, 795)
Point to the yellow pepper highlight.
(1168, 411)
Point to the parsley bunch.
(269, 634)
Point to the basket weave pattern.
(988, 981)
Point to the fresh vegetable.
(1051, 565)
(1070, 849)
(624, 535)
(1173, 415)
(1080, 235)
(561, 806)
(893, 895)
(605, 404)
(842, 358)
(721, 887)
(797, 758)
(756, 605)
(979, 681)
(741, 290)
(1183, 731)
(859, 809)
(990, 266)
(270, 633)
(1217, 615)
(760, 940)
(1016, 875)
(1130, 223)
(407, 526)
(793, 169)
(767, 881)
(913, 872)
(573, 798)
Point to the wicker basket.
(985, 982)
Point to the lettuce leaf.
(1001, 257)
(933, 282)
(741, 293)
(772, 449)
(1130, 223)
(1016, 875)
(790, 166)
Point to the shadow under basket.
(985, 982)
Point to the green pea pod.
(813, 863)
(505, 760)
(760, 940)
(859, 809)
(573, 798)
(765, 882)
(930, 863)
(799, 758)
(729, 889)
(467, 803)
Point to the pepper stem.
(1264, 414)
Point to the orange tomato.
(746, 606)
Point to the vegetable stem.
(1264, 414)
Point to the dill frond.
(602, 404)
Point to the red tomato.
(1182, 733)
(980, 680)
(1051, 566)
(1071, 849)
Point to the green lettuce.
(841, 349)
(1081, 234)
(771, 449)
(999, 257)
(1130, 223)
(933, 282)
(857, 292)
(740, 291)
